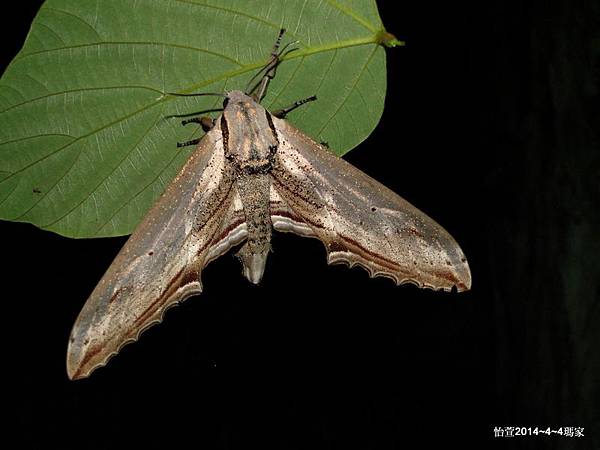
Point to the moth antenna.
(195, 113)
(281, 113)
(199, 94)
(284, 51)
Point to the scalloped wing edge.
(232, 238)
(287, 224)
(182, 294)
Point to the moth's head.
(237, 98)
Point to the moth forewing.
(360, 221)
(161, 262)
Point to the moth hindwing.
(252, 173)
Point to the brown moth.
(253, 172)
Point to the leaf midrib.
(149, 43)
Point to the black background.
(490, 127)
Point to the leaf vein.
(76, 158)
(9, 194)
(231, 11)
(71, 91)
(300, 16)
(349, 91)
(357, 18)
(48, 8)
(321, 81)
(25, 138)
(138, 193)
(95, 188)
(53, 32)
(148, 43)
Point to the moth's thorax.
(249, 137)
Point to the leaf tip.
(388, 40)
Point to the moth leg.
(206, 122)
(186, 143)
(281, 113)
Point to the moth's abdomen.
(254, 192)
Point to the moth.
(252, 173)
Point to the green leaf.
(85, 145)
